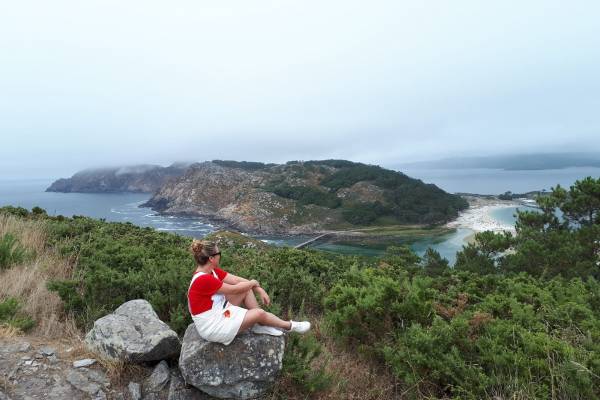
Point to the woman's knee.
(256, 315)
(259, 314)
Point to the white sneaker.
(300, 326)
(267, 330)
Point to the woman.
(215, 298)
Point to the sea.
(125, 207)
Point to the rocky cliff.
(137, 178)
(303, 197)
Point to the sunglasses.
(216, 254)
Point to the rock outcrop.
(137, 178)
(302, 197)
(46, 372)
(242, 370)
(133, 332)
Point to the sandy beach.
(478, 216)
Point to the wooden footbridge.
(313, 240)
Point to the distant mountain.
(534, 161)
(303, 197)
(143, 178)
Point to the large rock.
(244, 369)
(133, 333)
(178, 390)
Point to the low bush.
(11, 314)
(11, 251)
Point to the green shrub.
(300, 352)
(305, 195)
(10, 314)
(364, 213)
(470, 336)
(17, 211)
(11, 251)
(245, 165)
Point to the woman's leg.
(247, 298)
(260, 316)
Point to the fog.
(106, 83)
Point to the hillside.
(303, 197)
(517, 317)
(137, 178)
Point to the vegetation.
(305, 195)
(364, 214)
(25, 302)
(406, 200)
(10, 314)
(11, 251)
(511, 196)
(247, 165)
(517, 317)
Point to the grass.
(26, 280)
(353, 375)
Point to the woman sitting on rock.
(215, 297)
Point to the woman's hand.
(255, 283)
(264, 297)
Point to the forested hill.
(304, 196)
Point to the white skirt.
(220, 325)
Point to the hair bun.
(197, 246)
(202, 250)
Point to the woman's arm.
(233, 279)
(237, 288)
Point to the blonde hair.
(202, 250)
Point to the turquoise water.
(507, 215)
(447, 245)
(124, 207)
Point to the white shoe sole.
(266, 330)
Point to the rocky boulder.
(134, 333)
(244, 369)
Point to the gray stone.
(133, 333)
(117, 396)
(97, 376)
(86, 362)
(135, 391)
(52, 359)
(100, 396)
(83, 383)
(158, 379)
(47, 351)
(155, 396)
(3, 396)
(178, 390)
(244, 369)
(23, 347)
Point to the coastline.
(478, 218)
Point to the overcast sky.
(92, 83)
